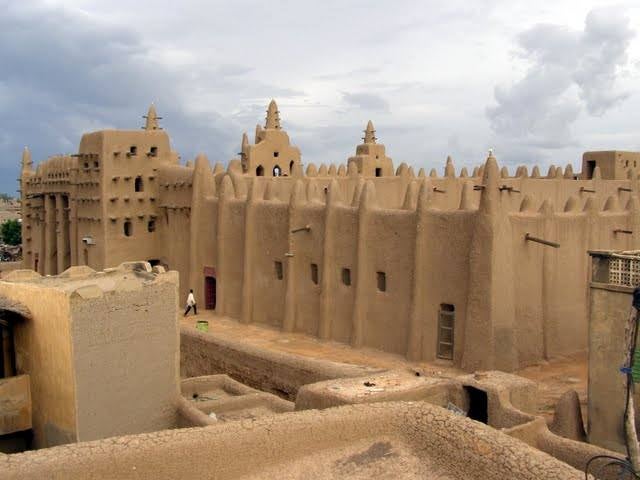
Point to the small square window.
(96, 164)
(153, 151)
(378, 172)
(381, 278)
(133, 150)
(346, 276)
(276, 154)
(86, 164)
(279, 273)
(151, 226)
(314, 273)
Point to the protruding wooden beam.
(542, 241)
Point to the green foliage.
(6, 198)
(11, 232)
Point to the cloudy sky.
(539, 82)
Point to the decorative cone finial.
(26, 159)
(370, 133)
(152, 119)
(273, 116)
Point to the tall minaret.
(370, 133)
(273, 116)
(27, 163)
(152, 119)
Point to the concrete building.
(89, 355)
(430, 267)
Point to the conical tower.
(369, 133)
(152, 119)
(273, 116)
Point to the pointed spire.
(370, 133)
(411, 197)
(226, 188)
(273, 116)
(312, 171)
(270, 193)
(466, 198)
(551, 173)
(332, 170)
(259, 133)
(152, 118)
(590, 206)
(568, 171)
(535, 172)
(323, 170)
(611, 205)
(546, 208)
(333, 193)
(490, 195)
(571, 205)
(559, 174)
(449, 170)
(433, 173)
(421, 173)
(352, 169)
(27, 163)
(218, 168)
(464, 173)
(504, 172)
(527, 204)
(245, 142)
(342, 171)
(411, 173)
(402, 170)
(357, 192)
(475, 172)
(425, 195)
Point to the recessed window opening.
(381, 279)
(346, 276)
(626, 163)
(291, 163)
(96, 164)
(260, 171)
(277, 171)
(138, 184)
(378, 172)
(314, 273)
(86, 164)
(276, 154)
(133, 150)
(128, 229)
(151, 226)
(279, 272)
(153, 151)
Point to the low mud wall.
(275, 372)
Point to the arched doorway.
(210, 286)
(260, 171)
(277, 171)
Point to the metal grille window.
(446, 323)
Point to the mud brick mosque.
(485, 268)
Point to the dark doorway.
(591, 166)
(478, 404)
(260, 171)
(210, 293)
(378, 172)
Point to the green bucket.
(202, 325)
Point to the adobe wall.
(126, 358)
(43, 350)
(404, 440)
(610, 307)
(279, 373)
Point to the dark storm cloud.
(570, 72)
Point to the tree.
(11, 232)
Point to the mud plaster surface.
(554, 377)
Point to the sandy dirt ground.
(554, 377)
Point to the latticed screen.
(624, 271)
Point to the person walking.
(191, 303)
